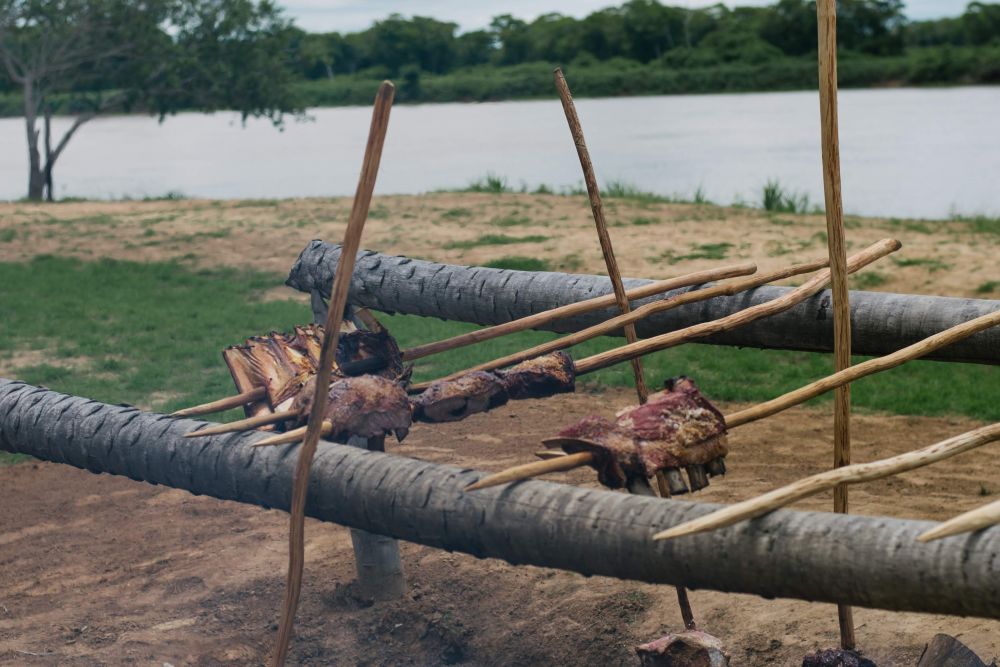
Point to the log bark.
(865, 561)
(880, 322)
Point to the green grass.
(988, 287)
(775, 198)
(152, 334)
(519, 263)
(700, 251)
(931, 263)
(494, 239)
(867, 280)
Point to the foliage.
(88, 57)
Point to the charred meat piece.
(284, 363)
(453, 400)
(677, 428)
(540, 377)
(367, 406)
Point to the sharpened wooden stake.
(809, 288)
(244, 424)
(826, 11)
(597, 206)
(573, 309)
(291, 437)
(533, 469)
(227, 403)
(971, 521)
(831, 479)
(327, 359)
(919, 349)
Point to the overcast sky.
(354, 15)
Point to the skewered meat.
(479, 391)
(540, 377)
(453, 400)
(283, 363)
(677, 428)
(367, 406)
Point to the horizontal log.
(864, 561)
(881, 322)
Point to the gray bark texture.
(864, 561)
(880, 322)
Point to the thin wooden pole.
(878, 364)
(576, 130)
(327, 359)
(597, 206)
(827, 29)
(227, 403)
(971, 521)
(832, 479)
(573, 309)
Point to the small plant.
(776, 198)
(490, 183)
(519, 263)
(700, 197)
(625, 190)
(989, 287)
(7, 235)
(700, 251)
(641, 222)
(454, 213)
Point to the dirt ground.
(652, 240)
(103, 570)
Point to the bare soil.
(103, 570)
(653, 240)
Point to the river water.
(905, 152)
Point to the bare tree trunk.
(36, 177)
(822, 557)
(48, 154)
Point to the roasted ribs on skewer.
(678, 428)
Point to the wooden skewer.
(249, 396)
(915, 351)
(640, 313)
(578, 308)
(328, 350)
(546, 454)
(293, 436)
(973, 520)
(244, 424)
(781, 304)
(533, 469)
(831, 479)
(826, 11)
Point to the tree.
(89, 57)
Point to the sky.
(355, 15)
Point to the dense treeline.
(642, 47)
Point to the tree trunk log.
(865, 561)
(881, 322)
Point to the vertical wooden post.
(826, 11)
(376, 557)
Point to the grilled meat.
(677, 428)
